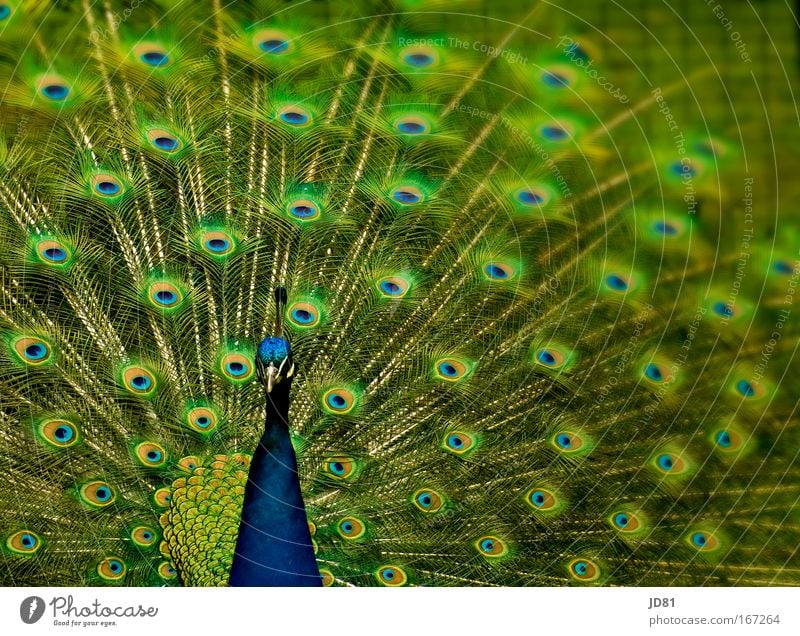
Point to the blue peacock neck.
(274, 543)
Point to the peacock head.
(274, 362)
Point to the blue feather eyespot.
(450, 369)
(32, 350)
(682, 169)
(162, 497)
(419, 57)
(532, 197)
(303, 314)
(412, 125)
(201, 419)
(236, 367)
(144, 536)
(657, 373)
(498, 271)
(625, 522)
(783, 268)
(727, 440)
(295, 116)
(666, 228)
(189, 464)
(568, 442)
(541, 499)
(703, 541)
(166, 571)
(273, 42)
(351, 528)
(459, 442)
(24, 542)
(583, 570)
(393, 287)
(550, 358)
(107, 185)
(340, 467)
(52, 252)
(304, 210)
(407, 195)
(150, 454)
(164, 140)
(670, 463)
(557, 77)
(338, 400)
(428, 500)
(391, 575)
(722, 309)
(165, 295)
(112, 568)
(748, 389)
(139, 380)
(97, 494)
(55, 92)
(59, 432)
(5, 11)
(617, 283)
(217, 243)
(153, 55)
(555, 132)
(491, 546)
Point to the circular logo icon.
(31, 609)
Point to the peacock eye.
(150, 454)
(391, 575)
(139, 380)
(152, 55)
(550, 358)
(163, 140)
(419, 57)
(32, 350)
(407, 195)
(450, 369)
(189, 463)
(617, 282)
(303, 314)
(656, 373)
(568, 442)
(304, 210)
(531, 197)
(112, 568)
(144, 536)
(557, 77)
(722, 309)
(393, 287)
(97, 494)
(625, 522)
(52, 252)
(106, 185)
(166, 571)
(703, 541)
(749, 390)
(340, 467)
(728, 440)
(670, 463)
(412, 126)
(491, 546)
(217, 243)
(666, 229)
(428, 500)
(201, 419)
(498, 271)
(338, 400)
(55, 92)
(163, 497)
(236, 367)
(351, 528)
(541, 499)
(273, 42)
(554, 132)
(165, 295)
(584, 570)
(5, 11)
(459, 442)
(294, 116)
(58, 432)
(24, 542)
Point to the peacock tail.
(543, 335)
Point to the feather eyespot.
(749, 389)
(273, 42)
(217, 243)
(304, 210)
(5, 11)
(619, 283)
(428, 500)
(236, 367)
(391, 575)
(407, 195)
(338, 400)
(188, 464)
(459, 442)
(201, 419)
(163, 497)
(783, 268)
(327, 577)
(557, 77)
(541, 499)
(33, 350)
(703, 541)
(450, 369)
(58, 432)
(340, 467)
(555, 132)
(163, 140)
(107, 185)
(669, 463)
(419, 57)
(665, 228)
(152, 55)
(303, 314)
(550, 358)
(412, 125)
(53, 252)
(139, 381)
(97, 494)
(351, 528)
(583, 570)
(532, 197)
(165, 295)
(295, 116)
(144, 536)
(150, 454)
(728, 440)
(498, 271)
(54, 89)
(491, 546)
(24, 542)
(657, 373)
(625, 521)
(568, 442)
(112, 568)
(167, 571)
(393, 287)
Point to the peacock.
(394, 293)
